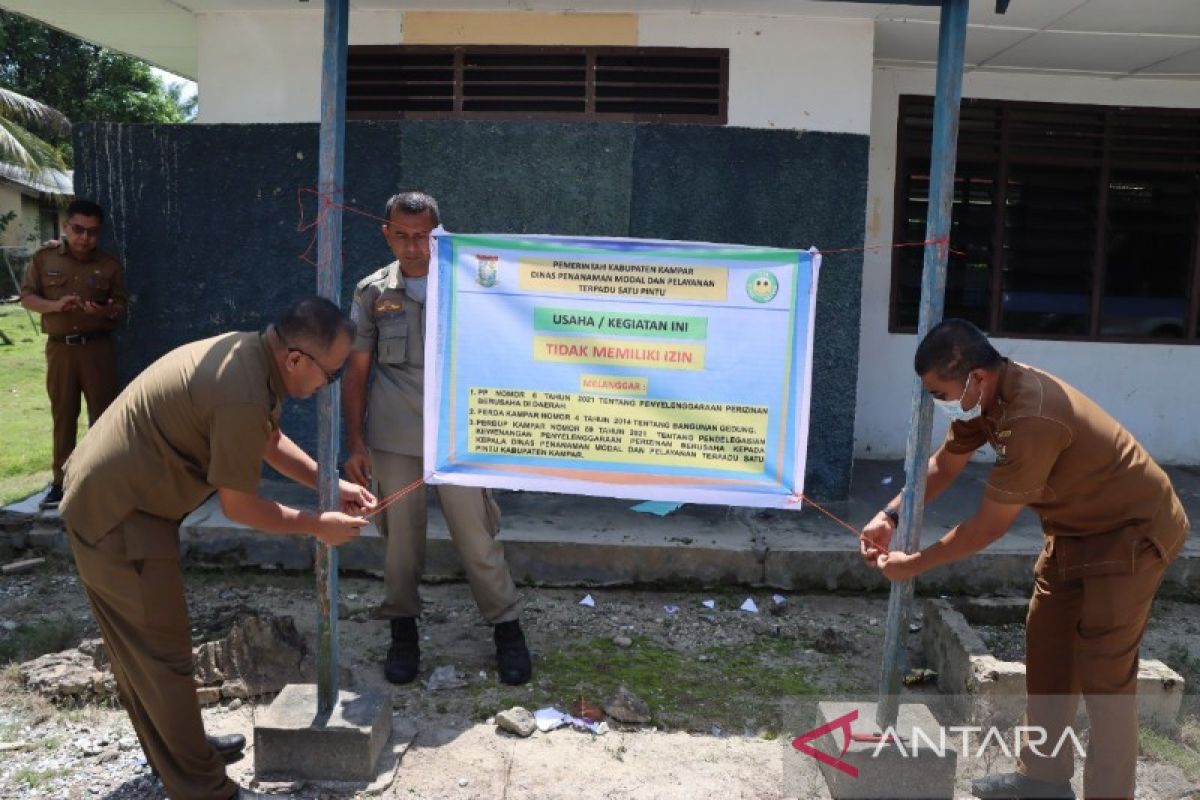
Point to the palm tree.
(18, 144)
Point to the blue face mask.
(954, 410)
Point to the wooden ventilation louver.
(391, 82)
(619, 84)
(655, 85)
(1069, 221)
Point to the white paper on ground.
(549, 718)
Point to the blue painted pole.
(329, 281)
(952, 36)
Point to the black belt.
(79, 338)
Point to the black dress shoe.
(228, 743)
(1015, 786)
(512, 655)
(404, 656)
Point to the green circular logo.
(762, 286)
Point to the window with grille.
(588, 83)
(1069, 221)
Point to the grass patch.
(36, 778)
(734, 688)
(26, 443)
(33, 639)
(1178, 753)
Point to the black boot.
(512, 656)
(53, 497)
(1015, 786)
(404, 656)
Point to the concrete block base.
(920, 764)
(292, 741)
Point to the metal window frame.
(1105, 160)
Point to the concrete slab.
(992, 691)
(920, 763)
(570, 540)
(993, 610)
(27, 510)
(293, 741)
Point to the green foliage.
(23, 123)
(36, 778)
(85, 82)
(730, 687)
(1173, 751)
(33, 639)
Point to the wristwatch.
(892, 515)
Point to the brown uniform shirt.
(55, 273)
(1097, 491)
(391, 324)
(196, 420)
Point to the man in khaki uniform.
(201, 419)
(1113, 524)
(80, 292)
(389, 312)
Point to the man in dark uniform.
(201, 419)
(80, 292)
(385, 428)
(1113, 524)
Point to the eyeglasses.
(83, 230)
(330, 377)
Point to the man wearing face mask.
(383, 402)
(1112, 524)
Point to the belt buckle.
(74, 338)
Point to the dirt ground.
(720, 683)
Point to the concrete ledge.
(988, 689)
(570, 540)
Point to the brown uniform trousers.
(1082, 637)
(473, 519)
(71, 369)
(135, 587)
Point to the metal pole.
(329, 281)
(952, 37)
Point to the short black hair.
(413, 203)
(954, 347)
(85, 208)
(313, 322)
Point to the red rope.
(796, 498)
(324, 203)
(393, 497)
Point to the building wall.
(785, 72)
(10, 203)
(1142, 385)
(25, 230)
(204, 217)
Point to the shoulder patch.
(377, 276)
